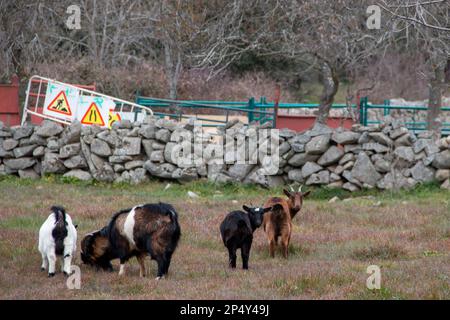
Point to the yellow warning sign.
(113, 117)
(60, 104)
(93, 116)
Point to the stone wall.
(386, 156)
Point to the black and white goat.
(150, 229)
(57, 237)
(237, 232)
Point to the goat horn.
(300, 188)
(292, 189)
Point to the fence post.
(361, 110)
(387, 102)
(251, 106)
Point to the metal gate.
(37, 88)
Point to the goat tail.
(60, 230)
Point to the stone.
(75, 162)
(134, 164)
(420, 145)
(110, 137)
(100, 148)
(157, 156)
(323, 177)
(346, 158)
(355, 148)
(138, 176)
(118, 168)
(97, 161)
(22, 132)
(28, 174)
(163, 135)
(320, 129)
(364, 171)
(185, 174)
(49, 128)
(239, 171)
(164, 170)
(295, 175)
(133, 133)
(404, 140)
(38, 152)
(309, 168)
(364, 138)
(394, 134)
(172, 152)
(158, 146)
(442, 174)
(24, 151)
(52, 164)
(334, 199)
(381, 138)
(148, 149)
(105, 174)
(396, 180)
(422, 173)
(35, 139)
(69, 150)
(317, 145)
(148, 131)
(132, 146)
(350, 187)
(53, 145)
(336, 184)
(119, 159)
(431, 149)
(71, 133)
(334, 177)
(382, 165)
(299, 159)
(442, 160)
(19, 164)
(78, 174)
(404, 153)
(377, 147)
(331, 156)
(345, 137)
(284, 148)
(10, 144)
(446, 184)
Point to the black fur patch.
(59, 232)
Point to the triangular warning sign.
(60, 104)
(93, 116)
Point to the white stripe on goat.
(128, 227)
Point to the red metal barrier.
(302, 123)
(9, 102)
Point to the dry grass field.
(407, 234)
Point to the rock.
(355, 148)
(185, 174)
(364, 170)
(172, 152)
(105, 174)
(134, 164)
(53, 145)
(299, 159)
(404, 153)
(345, 137)
(123, 124)
(284, 148)
(118, 168)
(442, 174)
(24, 151)
(287, 133)
(420, 145)
(442, 160)
(132, 146)
(22, 132)
(377, 147)
(382, 165)
(404, 140)
(320, 129)
(157, 156)
(317, 145)
(334, 177)
(431, 149)
(76, 162)
(163, 135)
(71, 134)
(239, 171)
(395, 180)
(28, 174)
(346, 158)
(334, 199)
(148, 149)
(10, 144)
(100, 148)
(350, 187)
(158, 146)
(381, 138)
(78, 174)
(119, 159)
(49, 128)
(298, 142)
(336, 184)
(52, 164)
(148, 131)
(331, 156)
(446, 184)
(111, 138)
(295, 175)
(38, 152)
(309, 168)
(164, 170)
(394, 134)
(69, 150)
(364, 138)
(138, 176)
(19, 164)
(192, 194)
(97, 161)
(422, 173)
(323, 177)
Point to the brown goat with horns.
(278, 221)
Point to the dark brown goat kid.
(278, 222)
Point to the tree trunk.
(330, 84)
(173, 72)
(436, 87)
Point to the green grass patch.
(379, 252)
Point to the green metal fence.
(415, 124)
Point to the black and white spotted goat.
(57, 237)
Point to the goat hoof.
(42, 269)
(51, 274)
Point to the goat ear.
(267, 209)
(306, 193)
(246, 208)
(287, 193)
